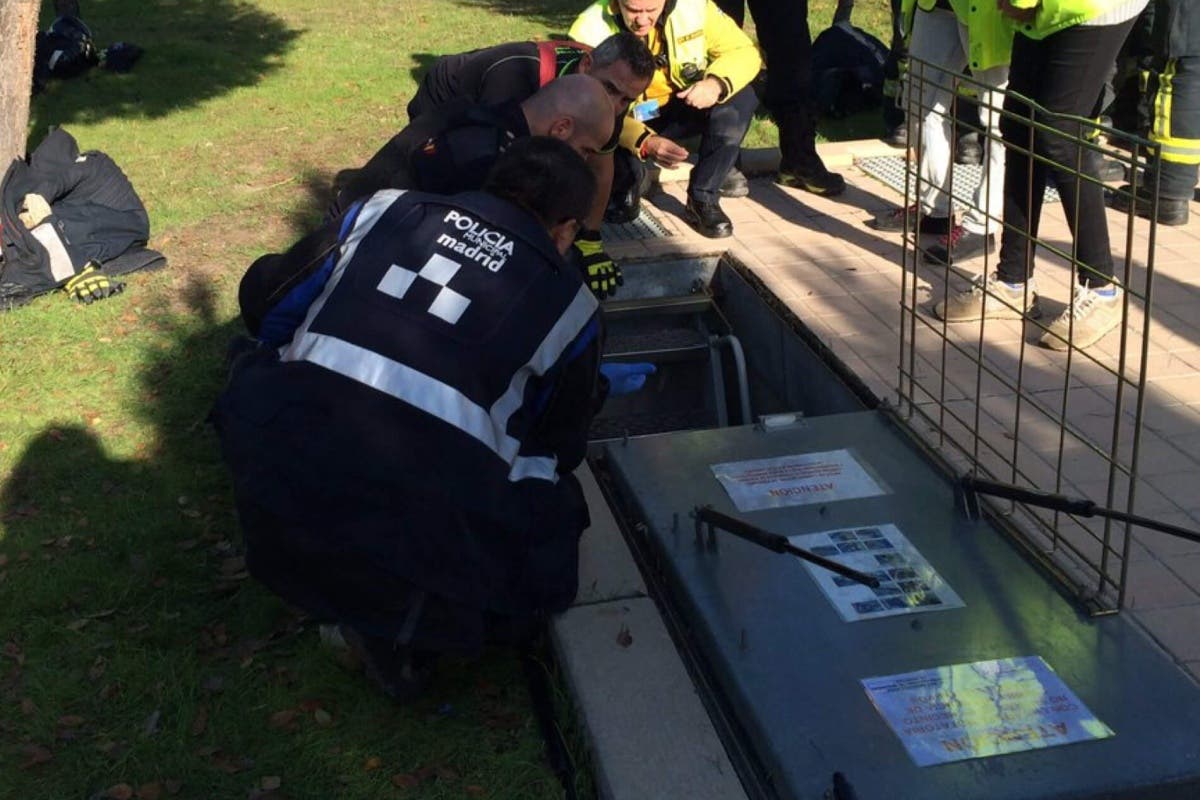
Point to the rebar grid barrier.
(997, 427)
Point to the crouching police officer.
(402, 451)
(450, 147)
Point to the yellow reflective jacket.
(701, 40)
(1055, 15)
(989, 36)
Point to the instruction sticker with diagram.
(985, 708)
(907, 582)
(796, 480)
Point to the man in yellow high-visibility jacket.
(702, 85)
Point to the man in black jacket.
(515, 71)
(1168, 34)
(403, 449)
(451, 149)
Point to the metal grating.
(993, 404)
(644, 227)
(966, 177)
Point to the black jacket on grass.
(96, 215)
(413, 424)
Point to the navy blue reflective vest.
(403, 414)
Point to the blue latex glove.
(626, 378)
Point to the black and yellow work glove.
(91, 284)
(602, 275)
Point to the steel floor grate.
(890, 170)
(644, 227)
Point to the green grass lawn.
(136, 658)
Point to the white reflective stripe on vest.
(425, 392)
(61, 266)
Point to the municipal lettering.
(475, 241)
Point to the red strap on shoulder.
(548, 55)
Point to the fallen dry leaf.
(372, 763)
(323, 717)
(475, 790)
(122, 791)
(200, 721)
(71, 721)
(271, 782)
(624, 637)
(406, 780)
(13, 650)
(283, 719)
(35, 754)
(150, 791)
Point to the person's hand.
(702, 94)
(91, 284)
(603, 276)
(626, 378)
(664, 152)
(36, 209)
(1019, 14)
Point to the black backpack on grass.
(847, 70)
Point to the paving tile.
(1185, 388)
(1177, 630)
(753, 230)
(1151, 584)
(1166, 547)
(1187, 567)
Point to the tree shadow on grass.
(195, 50)
(134, 648)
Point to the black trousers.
(786, 42)
(893, 114)
(1063, 73)
(721, 129)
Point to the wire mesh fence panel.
(1010, 382)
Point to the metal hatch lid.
(789, 669)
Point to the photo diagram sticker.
(908, 584)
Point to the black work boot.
(708, 218)
(631, 182)
(1170, 212)
(897, 135)
(812, 177)
(401, 673)
(799, 164)
(735, 184)
(968, 150)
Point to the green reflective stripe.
(1179, 151)
(1161, 129)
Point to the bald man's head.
(575, 109)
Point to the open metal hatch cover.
(789, 669)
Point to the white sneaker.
(1094, 316)
(1003, 301)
